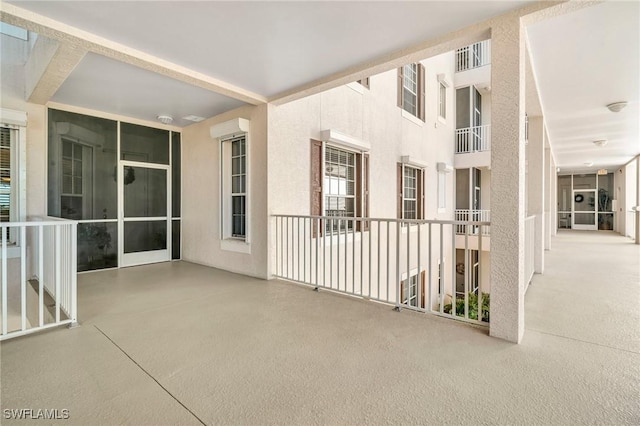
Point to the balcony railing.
(38, 275)
(473, 139)
(473, 56)
(406, 263)
(464, 215)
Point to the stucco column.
(637, 215)
(535, 187)
(547, 194)
(507, 180)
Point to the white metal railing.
(529, 247)
(465, 215)
(473, 56)
(473, 139)
(410, 264)
(38, 275)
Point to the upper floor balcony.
(473, 56)
(473, 147)
(471, 65)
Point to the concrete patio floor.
(178, 343)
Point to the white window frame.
(442, 101)
(405, 198)
(443, 85)
(16, 122)
(409, 71)
(229, 241)
(325, 189)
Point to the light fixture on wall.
(165, 119)
(601, 142)
(617, 106)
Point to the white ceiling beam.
(75, 38)
(48, 66)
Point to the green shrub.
(473, 306)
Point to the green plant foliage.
(473, 306)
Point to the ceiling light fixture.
(589, 163)
(601, 142)
(165, 119)
(617, 106)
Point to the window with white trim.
(442, 101)
(412, 290)
(411, 91)
(234, 188)
(5, 173)
(410, 192)
(12, 171)
(339, 186)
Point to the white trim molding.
(346, 141)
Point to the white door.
(144, 193)
(584, 209)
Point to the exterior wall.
(372, 116)
(201, 195)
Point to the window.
(234, 153)
(12, 169)
(72, 193)
(410, 192)
(442, 101)
(5, 174)
(411, 89)
(238, 186)
(340, 185)
(409, 294)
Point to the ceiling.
(581, 60)
(268, 47)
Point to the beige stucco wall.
(201, 195)
(372, 116)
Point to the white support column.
(548, 198)
(507, 180)
(637, 212)
(535, 187)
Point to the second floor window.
(411, 89)
(410, 192)
(5, 172)
(340, 186)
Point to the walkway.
(178, 343)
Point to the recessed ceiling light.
(193, 118)
(165, 119)
(589, 163)
(601, 142)
(617, 106)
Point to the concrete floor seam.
(149, 374)
(583, 341)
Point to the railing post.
(4, 280)
(74, 274)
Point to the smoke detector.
(617, 106)
(601, 142)
(165, 119)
